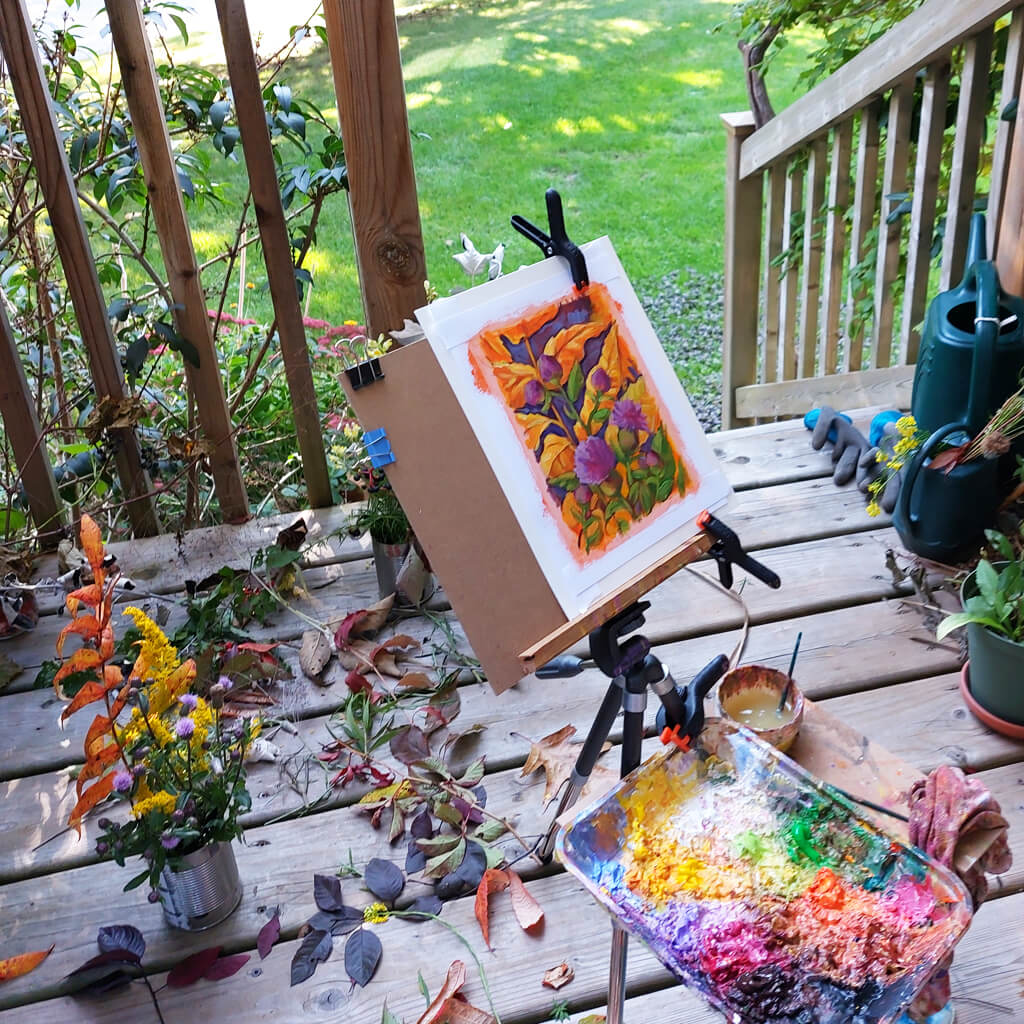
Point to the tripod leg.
(588, 756)
(634, 703)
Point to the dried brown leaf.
(556, 977)
(524, 906)
(315, 652)
(557, 756)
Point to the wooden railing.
(363, 41)
(826, 279)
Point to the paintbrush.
(792, 664)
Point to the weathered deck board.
(867, 657)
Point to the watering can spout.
(977, 245)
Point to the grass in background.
(615, 104)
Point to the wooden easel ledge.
(569, 632)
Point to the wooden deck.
(865, 657)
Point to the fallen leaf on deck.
(418, 682)
(16, 966)
(592, 1018)
(269, 934)
(9, 670)
(448, 1007)
(365, 620)
(556, 977)
(494, 880)
(557, 756)
(225, 966)
(314, 653)
(291, 537)
(192, 968)
(525, 907)
(362, 956)
(316, 947)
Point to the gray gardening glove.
(848, 448)
(869, 468)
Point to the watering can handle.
(914, 467)
(986, 335)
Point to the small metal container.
(202, 890)
(388, 559)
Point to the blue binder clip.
(378, 447)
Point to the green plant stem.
(419, 916)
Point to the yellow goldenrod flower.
(873, 508)
(162, 801)
(906, 426)
(376, 913)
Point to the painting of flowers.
(581, 418)
(571, 380)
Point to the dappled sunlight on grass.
(208, 243)
(573, 128)
(700, 79)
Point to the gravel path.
(686, 310)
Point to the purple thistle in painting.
(533, 393)
(550, 369)
(594, 460)
(599, 379)
(627, 415)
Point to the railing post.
(128, 31)
(363, 40)
(58, 187)
(1010, 250)
(743, 213)
(22, 428)
(266, 196)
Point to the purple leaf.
(327, 893)
(225, 966)
(268, 935)
(192, 968)
(415, 858)
(411, 744)
(424, 905)
(316, 947)
(121, 936)
(421, 827)
(105, 972)
(384, 879)
(362, 955)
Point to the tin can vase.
(202, 889)
(387, 560)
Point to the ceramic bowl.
(754, 684)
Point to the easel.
(505, 604)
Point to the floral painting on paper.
(571, 380)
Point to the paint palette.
(759, 887)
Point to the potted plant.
(993, 612)
(173, 758)
(383, 517)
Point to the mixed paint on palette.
(757, 887)
(572, 383)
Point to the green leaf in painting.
(575, 383)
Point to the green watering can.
(946, 387)
(939, 514)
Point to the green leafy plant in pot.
(993, 602)
(384, 519)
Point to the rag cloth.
(957, 822)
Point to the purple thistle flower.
(594, 460)
(188, 700)
(550, 369)
(533, 392)
(184, 728)
(627, 415)
(599, 379)
(169, 842)
(225, 681)
(123, 781)
(651, 460)
(582, 494)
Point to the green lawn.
(615, 104)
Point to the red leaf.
(950, 458)
(401, 641)
(192, 968)
(88, 800)
(251, 645)
(16, 966)
(365, 620)
(525, 907)
(456, 978)
(268, 935)
(358, 683)
(89, 693)
(225, 966)
(494, 880)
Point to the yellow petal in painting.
(533, 425)
(513, 378)
(558, 456)
(568, 344)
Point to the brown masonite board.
(458, 510)
(467, 527)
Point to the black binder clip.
(558, 242)
(364, 373)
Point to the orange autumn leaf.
(568, 344)
(494, 880)
(557, 756)
(92, 691)
(524, 906)
(513, 378)
(16, 966)
(91, 594)
(493, 348)
(87, 626)
(99, 761)
(89, 799)
(83, 659)
(448, 1007)
(557, 457)
(91, 541)
(533, 425)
